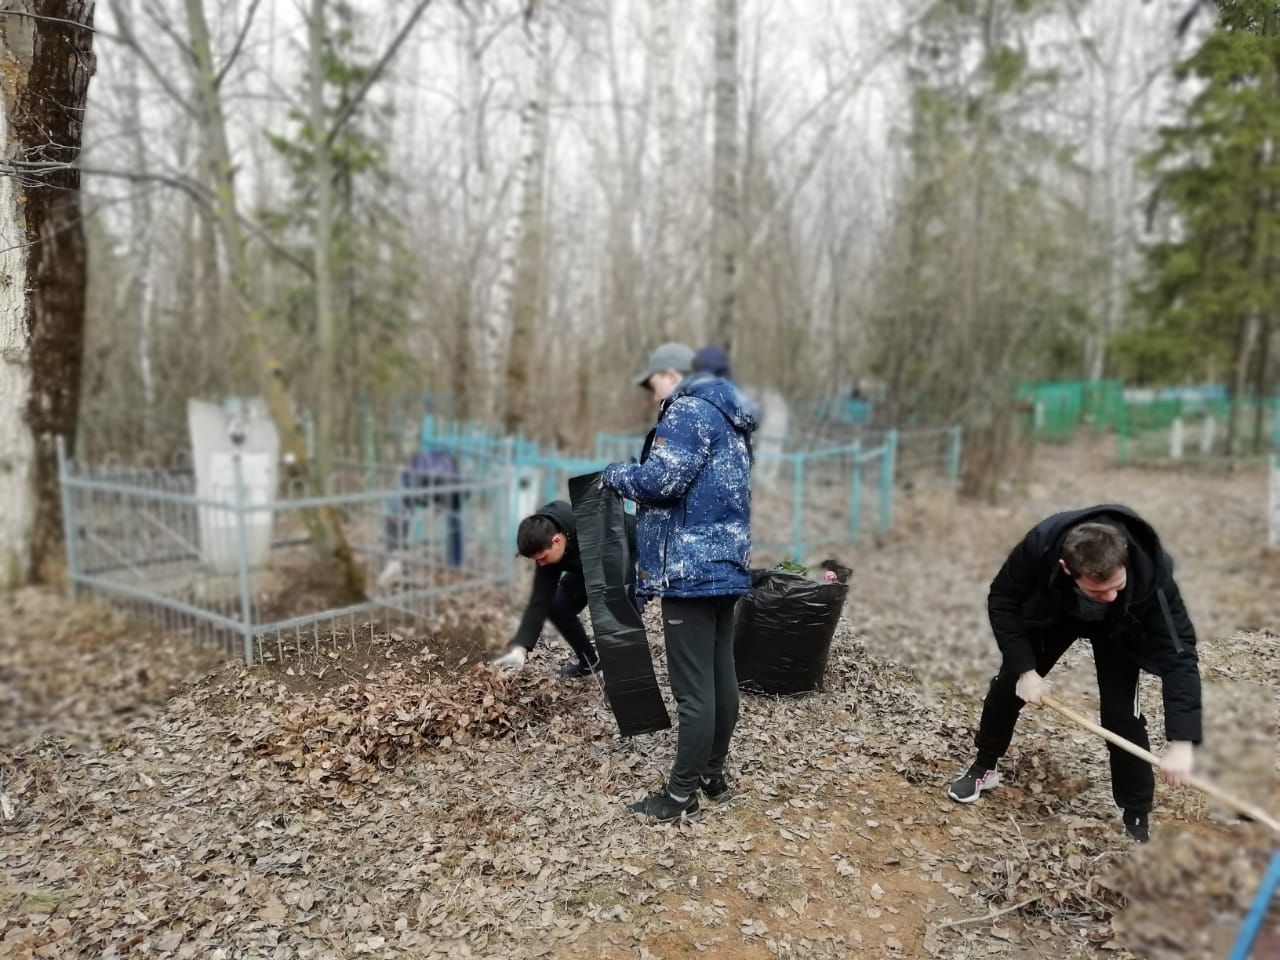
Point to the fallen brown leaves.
(355, 733)
(379, 803)
(80, 672)
(1186, 893)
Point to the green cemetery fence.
(1148, 424)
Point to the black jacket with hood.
(1031, 594)
(546, 579)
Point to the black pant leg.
(726, 681)
(1002, 705)
(569, 601)
(1133, 782)
(689, 628)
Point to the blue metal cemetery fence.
(804, 501)
(221, 562)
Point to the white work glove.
(513, 659)
(1031, 687)
(1177, 762)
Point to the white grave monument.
(220, 434)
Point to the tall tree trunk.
(669, 267)
(47, 60)
(322, 249)
(323, 524)
(725, 199)
(1247, 335)
(1261, 386)
(519, 287)
(142, 229)
(142, 224)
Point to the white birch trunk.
(502, 314)
(17, 446)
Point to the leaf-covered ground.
(395, 804)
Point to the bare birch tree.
(515, 314)
(726, 227)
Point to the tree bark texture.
(46, 62)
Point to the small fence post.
(1175, 439)
(797, 507)
(955, 444)
(888, 464)
(367, 439)
(1275, 500)
(70, 535)
(509, 515)
(242, 560)
(309, 435)
(855, 493)
(1275, 472)
(1122, 443)
(1207, 430)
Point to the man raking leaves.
(1102, 575)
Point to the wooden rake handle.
(1204, 786)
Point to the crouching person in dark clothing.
(1098, 574)
(693, 488)
(550, 539)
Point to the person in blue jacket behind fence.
(693, 539)
(426, 472)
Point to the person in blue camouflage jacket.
(693, 539)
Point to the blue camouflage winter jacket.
(693, 487)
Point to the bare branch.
(129, 39)
(59, 20)
(239, 44)
(192, 188)
(166, 26)
(21, 168)
(376, 73)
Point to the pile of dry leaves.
(354, 733)
(1186, 895)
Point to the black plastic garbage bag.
(609, 570)
(782, 631)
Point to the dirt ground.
(400, 805)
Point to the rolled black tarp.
(609, 570)
(782, 631)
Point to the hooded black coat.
(1032, 595)
(546, 579)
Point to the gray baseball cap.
(669, 356)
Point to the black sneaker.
(574, 670)
(665, 808)
(1137, 824)
(969, 787)
(716, 789)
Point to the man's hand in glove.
(1031, 687)
(1176, 764)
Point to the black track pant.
(699, 640)
(1132, 780)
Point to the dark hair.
(1094, 550)
(534, 534)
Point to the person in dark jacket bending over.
(693, 538)
(1098, 574)
(550, 539)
